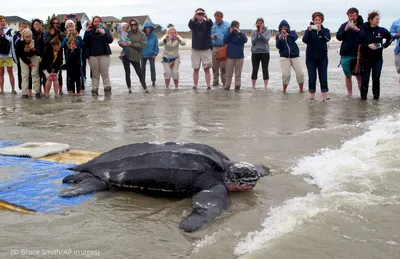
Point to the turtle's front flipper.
(88, 185)
(207, 205)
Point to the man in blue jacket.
(218, 32)
(395, 32)
(347, 33)
(200, 25)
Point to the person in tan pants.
(218, 31)
(235, 41)
(289, 55)
(28, 50)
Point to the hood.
(283, 23)
(148, 24)
(360, 20)
(120, 26)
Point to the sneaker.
(215, 84)
(237, 87)
(95, 93)
(14, 92)
(130, 92)
(25, 96)
(107, 90)
(208, 88)
(194, 87)
(47, 96)
(56, 96)
(60, 92)
(154, 83)
(38, 96)
(146, 91)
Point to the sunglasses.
(133, 24)
(54, 23)
(201, 14)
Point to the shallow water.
(339, 202)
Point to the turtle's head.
(241, 176)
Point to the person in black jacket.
(51, 65)
(370, 39)
(200, 25)
(28, 50)
(316, 37)
(289, 55)
(97, 39)
(37, 31)
(74, 67)
(22, 25)
(347, 34)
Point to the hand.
(31, 47)
(310, 28)
(102, 31)
(214, 37)
(230, 30)
(153, 57)
(65, 18)
(1, 32)
(205, 16)
(397, 35)
(31, 65)
(355, 28)
(76, 17)
(280, 36)
(89, 28)
(372, 46)
(347, 27)
(237, 30)
(124, 44)
(285, 34)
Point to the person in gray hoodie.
(260, 52)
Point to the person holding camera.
(74, 18)
(170, 58)
(235, 41)
(260, 52)
(347, 34)
(370, 39)
(201, 25)
(97, 39)
(218, 31)
(316, 37)
(289, 55)
(7, 54)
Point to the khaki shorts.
(201, 57)
(8, 62)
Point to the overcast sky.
(178, 12)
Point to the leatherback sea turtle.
(189, 169)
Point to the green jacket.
(138, 42)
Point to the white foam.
(204, 242)
(346, 176)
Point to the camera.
(71, 16)
(314, 27)
(351, 23)
(258, 27)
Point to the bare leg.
(12, 79)
(253, 84)
(359, 82)
(167, 81)
(265, 84)
(301, 88)
(312, 96)
(284, 87)
(208, 77)
(47, 87)
(195, 77)
(324, 96)
(349, 86)
(56, 86)
(1, 80)
(176, 82)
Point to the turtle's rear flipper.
(86, 186)
(77, 178)
(207, 205)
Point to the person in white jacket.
(170, 57)
(7, 54)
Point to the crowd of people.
(42, 55)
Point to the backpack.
(5, 45)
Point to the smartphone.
(314, 27)
(71, 16)
(351, 23)
(378, 45)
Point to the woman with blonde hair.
(170, 58)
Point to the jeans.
(376, 67)
(152, 68)
(322, 66)
(136, 65)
